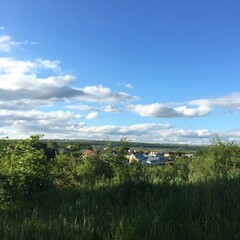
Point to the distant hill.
(135, 145)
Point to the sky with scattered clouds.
(150, 71)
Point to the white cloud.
(92, 115)
(7, 43)
(184, 111)
(19, 79)
(104, 108)
(111, 108)
(22, 80)
(66, 124)
(11, 66)
(144, 129)
(25, 86)
(36, 115)
(229, 102)
(126, 85)
(17, 74)
(82, 107)
(160, 110)
(104, 95)
(48, 64)
(25, 123)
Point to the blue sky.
(152, 71)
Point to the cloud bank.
(19, 80)
(37, 96)
(229, 102)
(160, 110)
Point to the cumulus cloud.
(229, 102)
(104, 108)
(66, 124)
(19, 80)
(48, 64)
(83, 107)
(92, 115)
(25, 123)
(103, 94)
(18, 74)
(29, 85)
(160, 110)
(36, 115)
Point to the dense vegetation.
(47, 194)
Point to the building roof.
(83, 150)
(87, 152)
(139, 156)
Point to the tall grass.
(127, 211)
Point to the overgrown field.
(45, 195)
(127, 211)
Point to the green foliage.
(4, 142)
(32, 165)
(94, 169)
(105, 166)
(138, 173)
(219, 160)
(181, 169)
(165, 174)
(201, 168)
(25, 166)
(103, 197)
(51, 148)
(226, 158)
(64, 171)
(118, 162)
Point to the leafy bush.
(94, 169)
(26, 166)
(64, 171)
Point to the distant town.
(144, 153)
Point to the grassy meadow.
(127, 211)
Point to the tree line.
(31, 165)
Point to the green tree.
(226, 157)
(94, 169)
(181, 169)
(26, 166)
(138, 173)
(118, 161)
(64, 171)
(219, 160)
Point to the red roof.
(87, 152)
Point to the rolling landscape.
(48, 193)
(119, 120)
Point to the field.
(127, 211)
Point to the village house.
(137, 157)
(87, 153)
(155, 160)
(158, 159)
